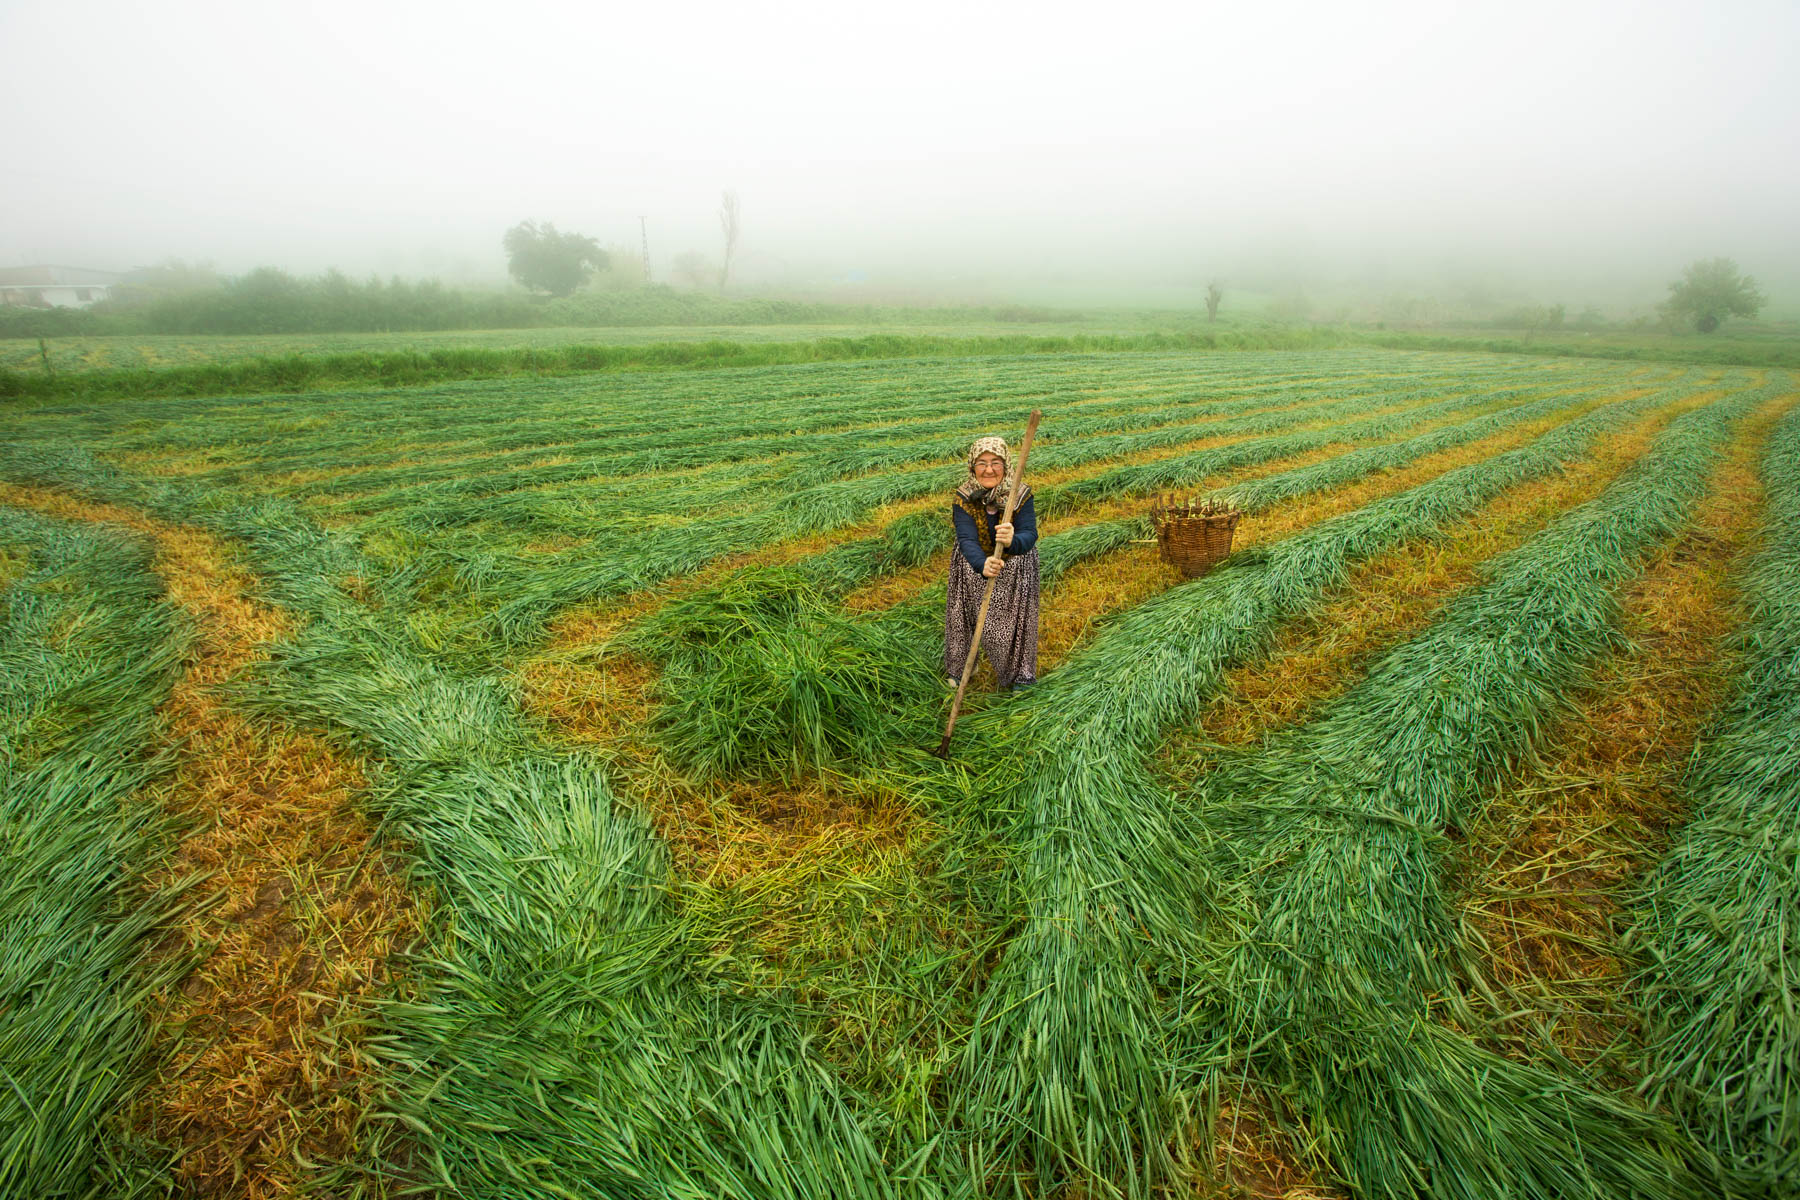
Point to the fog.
(1579, 153)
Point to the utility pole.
(644, 231)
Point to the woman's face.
(990, 469)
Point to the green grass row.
(903, 436)
(460, 421)
(1341, 829)
(258, 365)
(585, 1026)
(528, 593)
(307, 373)
(1074, 1034)
(1719, 919)
(498, 1063)
(88, 650)
(763, 676)
(1700, 350)
(817, 492)
(813, 463)
(566, 1035)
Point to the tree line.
(271, 301)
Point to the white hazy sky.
(1040, 138)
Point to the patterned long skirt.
(1010, 635)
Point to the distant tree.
(692, 268)
(624, 269)
(1214, 294)
(1553, 317)
(170, 277)
(174, 275)
(1531, 318)
(728, 221)
(547, 261)
(1710, 290)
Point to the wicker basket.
(1193, 536)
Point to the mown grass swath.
(88, 650)
(817, 446)
(352, 432)
(764, 675)
(445, 736)
(1072, 1040)
(1719, 920)
(1340, 826)
(755, 502)
(302, 373)
(821, 508)
(792, 472)
(565, 1038)
(580, 1028)
(622, 560)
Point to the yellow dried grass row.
(297, 918)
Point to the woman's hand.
(994, 565)
(1003, 534)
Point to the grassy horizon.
(307, 363)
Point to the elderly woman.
(989, 548)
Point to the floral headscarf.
(994, 497)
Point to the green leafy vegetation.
(305, 373)
(1720, 917)
(1341, 826)
(746, 938)
(88, 649)
(1711, 290)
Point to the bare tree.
(1214, 294)
(728, 221)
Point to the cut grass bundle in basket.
(1192, 535)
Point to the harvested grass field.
(520, 788)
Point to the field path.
(302, 914)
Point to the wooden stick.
(1012, 496)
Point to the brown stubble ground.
(296, 921)
(1542, 872)
(1254, 1159)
